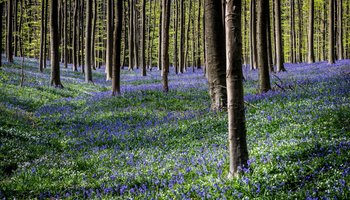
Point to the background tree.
(252, 36)
(9, 47)
(143, 40)
(311, 56)
(42, 35)
(1, 11)
(88, 72)
(117, 48)
(54, 43)
(238, 152)
(216, 61)
(264, 76)
(331, 32)
(109, 50)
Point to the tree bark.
(117, 48)
(75, 38)
(279, 45)
(165, 43)
(109, 50)
(93, 39)
(176, 22)
(182, 37)
(264, 76)
(238, 151)
(331, 33)
(88, 72)
(131, 34)
(143, 39)
(216, 59)
(311, 55)
(340, 30)
(54, 43)
(160, 35)
(292, 32)
(42, 35)
(65, 34)
(252, 36)
(9, 48)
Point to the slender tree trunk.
(93, 39)
(45, 31)
(252, 36)
(117, 48)
(188, 34)
(292, 32)
(131, 35)
(199, 34)
(193, 45)
(42, 35)
(238, 151)
(268, 34)
(82, 36)
(143, 39)
(331, 33)
(75, 37)
(9, 49)
(160, 36)
(136, 37)
(324, 30)
(182, 37)
(88, 72)
(264, 76)
(1, 11)
(340, 30)
(15, 28)
(300, 37)
(151, 49)
(279, 45)
(216, 60)
(165, 41)
(176, 22)
(65, 36)
(311, 55)
(109, 50)
(54, 43)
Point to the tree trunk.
(311, 55)
(340, 30)
(165, 43)
(292, 32)
(109, 50)
(45, 30)
(216, 60)
(300, 37)
(279, 45)
(54, 43)
(182, 37)
(1, 11)
(269, 48)
(160, 36)
(75, 37)
(65, 36)
(198, 61)
(93, 39)
(9, 48)
(117, 48)
(42, 35)
(264, 76)
(88, 72)
(252, 36)
(238, 151)
(131, 35)
(176, 22)
(331, 33)
(143, 39)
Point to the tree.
(65, 34)
(1, 10)
(9, 49)
(340, 30)
(252, 36)
(311, 55)
(331, 32)
(238, 152)
(54, 43)
(117, 49)
(182, 37)
(131, 35)
(88, 72)
(75, 36)
(264, 76)
(215, 46)
(165, 43)
(109, 50)
(42, 35)
(143, 41)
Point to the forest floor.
(80, 142)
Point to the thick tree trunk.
(216, 60)
(143, 39)
(9, 47)
(264, 76)
(238, 151)
(88, 72)
(331, 33)
(117, 48)
(311, 55)
(165, 43)
(54, 43)
(279, 45)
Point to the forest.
(175, 99)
